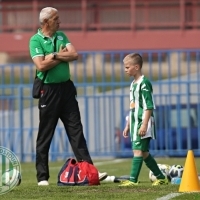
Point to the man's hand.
(67, 53)
(49, 57)
(62, 49)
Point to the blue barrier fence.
(103, 96)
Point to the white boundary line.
(169, 196)
(109, 161)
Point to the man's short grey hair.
(45, 13)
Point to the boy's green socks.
(135, 168)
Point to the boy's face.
(131, 69)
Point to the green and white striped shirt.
(141, 99)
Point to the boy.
(140, 123)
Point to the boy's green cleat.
(128, 183)
(160, 182)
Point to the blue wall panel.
(103, 96)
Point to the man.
(51, 52)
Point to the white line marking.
(109, 161)
(169, 196)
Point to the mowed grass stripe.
(107, 190)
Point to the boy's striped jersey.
(141, 99)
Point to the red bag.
(78, 173)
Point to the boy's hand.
(126, 132)
(143, 130)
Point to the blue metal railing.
(103, 95)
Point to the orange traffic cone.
(190, 180)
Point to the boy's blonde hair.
(134, 58)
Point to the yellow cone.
(190, 180)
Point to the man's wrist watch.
(54, 55)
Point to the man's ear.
(45, 21)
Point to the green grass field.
(28, 188)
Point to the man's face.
(54, 21)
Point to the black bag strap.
(45, 73)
